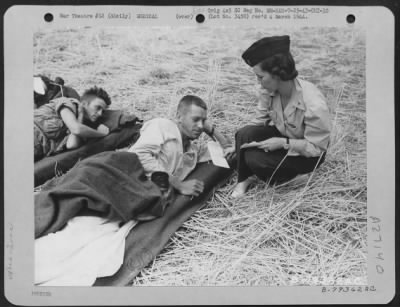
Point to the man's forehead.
(99, 101)
(196, 111)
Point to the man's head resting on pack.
(191, 116)
(54, 119)
(94, 101)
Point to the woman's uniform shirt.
(50, 131)
(305, 120)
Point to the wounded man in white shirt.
(166, 145)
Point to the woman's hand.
(267, 145)
(272, 144)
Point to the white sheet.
(86, 248)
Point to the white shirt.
(160, 148)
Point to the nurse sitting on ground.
(291, 131)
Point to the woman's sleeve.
(317, 130)
(262, 117)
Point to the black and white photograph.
(201, 155)
(297, 217)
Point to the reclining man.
(165, 145)
(64, 123)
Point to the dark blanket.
(111, 184)
(48, 167)
(146, 240)
(116, 120)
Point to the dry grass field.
(307, 233)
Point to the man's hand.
(208, 126)
(103, 129)
(190, 187)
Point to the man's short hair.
(188, 101)
(96, 92)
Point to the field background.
(311, 232)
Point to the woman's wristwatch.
(286, 146)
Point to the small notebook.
(217, 154)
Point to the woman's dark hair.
(96, 92)
(281, 65)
